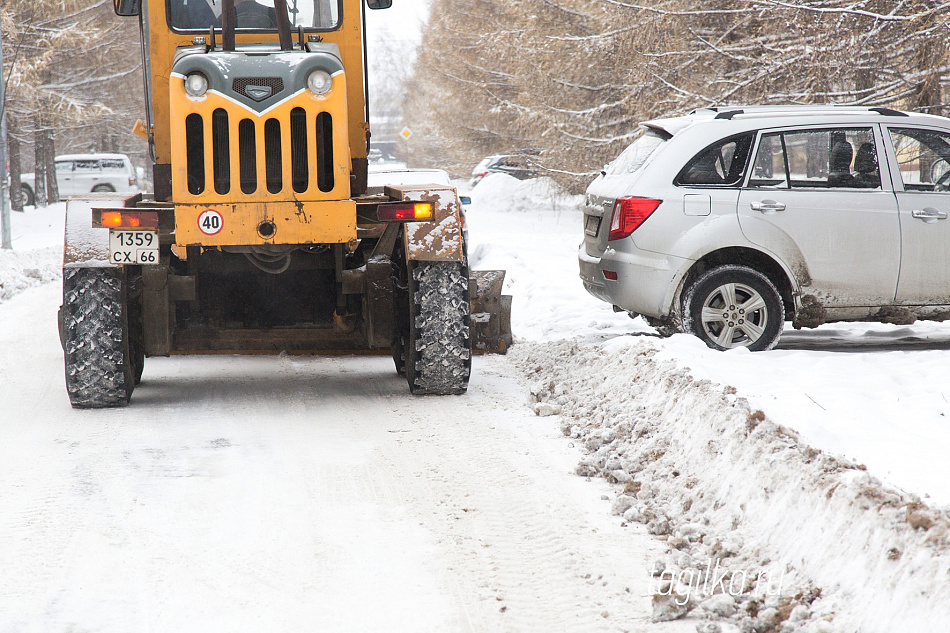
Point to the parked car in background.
(82, 173)
(517, 165)
(729, 221)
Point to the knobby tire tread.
(96, 342)
(440, 342)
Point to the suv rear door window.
(87, 165)
(768, 170)
(817, 159)
(113, 163)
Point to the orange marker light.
(129, 220)
(111, 219)
(405, 211)
(422, 210)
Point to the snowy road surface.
(308, 493)
(297, 494)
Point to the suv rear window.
(634, 157)
(721, 164)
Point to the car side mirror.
(377, 4)
(128, 7)
(465, 200)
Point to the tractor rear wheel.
(439, 350)
(100, 366)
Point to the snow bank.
(22, 270)
(37, 254)
(871, 391)
(531, 231)
(788, 538)
(506, 193)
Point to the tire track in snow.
(519, 549)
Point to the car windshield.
(634, 157)
(200, 15)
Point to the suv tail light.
(629, 214)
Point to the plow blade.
(490, 312)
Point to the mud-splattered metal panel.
(440, 239)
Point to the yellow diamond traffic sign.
(406, 133)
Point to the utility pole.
(6, 237)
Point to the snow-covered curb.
(790, 539)
(20, 270)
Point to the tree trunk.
(13, 154)
(52, 184)
(39, 162)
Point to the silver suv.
(82, 173)
(729, 221)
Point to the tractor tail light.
(405, 211)
(127, 220)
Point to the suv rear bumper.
(645, 281)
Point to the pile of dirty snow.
(764, 532)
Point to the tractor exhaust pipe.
(228, 22)
(283, 25)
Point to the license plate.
(133, 247)
(592, 226)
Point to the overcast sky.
(393, 35)
(403, 21)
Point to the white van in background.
(82, 173)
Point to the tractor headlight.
(319, 82)
(196, 84)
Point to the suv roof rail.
(888, 112)
(728, 115)
(728, 112)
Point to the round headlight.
(196, 84)
(319, 82)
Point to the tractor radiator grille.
(309, 154)
(194, 153)
(240, 86)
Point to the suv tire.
(26, 196)
(104, 188)
(734, 306)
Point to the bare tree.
(572, 78)
(62, 70)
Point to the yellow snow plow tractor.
(264, 233)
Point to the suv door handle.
(929, 215)
(768, 206)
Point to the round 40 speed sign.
(210, 222)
